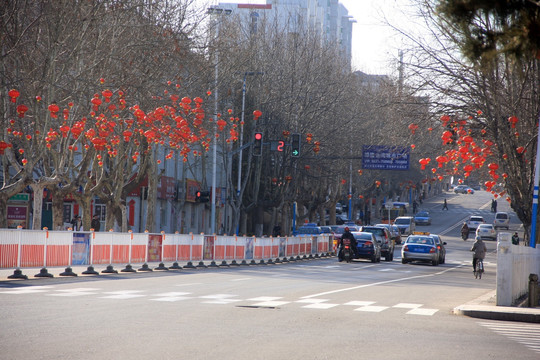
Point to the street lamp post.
(215, 11)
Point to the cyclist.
(479, 249)
(464, 231)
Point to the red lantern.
(493, 166)
(53, 109)
(257, 114)
(307, 167)
(21, 110)
(445, 119)
(520, 150)
(513, 120)
(13, 94)
(360, 172)
(413, 128)
(377, 183)
(423, 162)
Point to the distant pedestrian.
(495, 206)
(414, 206)
(445, 205)
(76, 223)
(96, 224)
(515, 239)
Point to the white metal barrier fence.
(42, 248)
(514, 264)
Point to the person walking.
(515, 239)
(445, 205)
(96, 224)
(414, 206)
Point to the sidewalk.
(484, 308)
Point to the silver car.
(420, 248)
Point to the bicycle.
(479, 269)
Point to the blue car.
(422, 218)
(368, 247)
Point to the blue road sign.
(383, 157)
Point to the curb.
(481, 308)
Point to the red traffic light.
(258, 136)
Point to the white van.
(502, 220)
(405, 224)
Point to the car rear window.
(374, 231)
(477, 218)
(363, 236)
(402, 221)
(501, 216)
(420, 240)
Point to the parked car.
(422, 218)
(420, 248)
(384, 238)
(463, 189)
(502, 220)
(395, 234)
(308, 230)
(474, 221)
(486, 231)
(441, 246)
(368, 246)
(405, 224)
(326, 229)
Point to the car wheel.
(374, 258)
(435, 262)
(403, 261)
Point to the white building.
(327, 18)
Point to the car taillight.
(405, 248)
(432, 250)
(368, 243)
(439, 247)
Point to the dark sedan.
(368, 247)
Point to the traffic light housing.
(257, 144)
(295, 145)
(202, 196)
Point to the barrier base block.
(44, 273)
(175, 266)
(262, 262)
(17, 274)
(244, 263)
(109, 270)
(189, 265)
(270, 262)
(277, 261)
(292, 258)
(201, 265)
(213, 264)
(145, 268)
(285, 260)
(310, 256)
(161, 267)
(234, 263)
(68, 272)
(128, 268)
(224, 264)
(252, 262)
(90, 271)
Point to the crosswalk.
(173, 296)
(524, 333)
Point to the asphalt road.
(317, 309)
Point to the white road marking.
(241, 279)
(359, 303)
(407, 306)
(27, 290)
(422, 311)
(271, 303)
(372, 308)
(378, 283)
(75, 292)
(320, 306)
(125, 294)
(265, 298)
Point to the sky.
(375, 45)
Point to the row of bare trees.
(59, 50)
